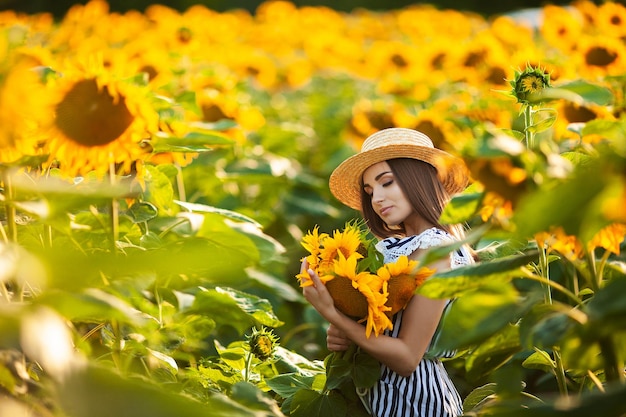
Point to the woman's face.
(388, 199)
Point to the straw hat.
(345, 181)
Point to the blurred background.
(483, 7)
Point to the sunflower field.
(159, 170)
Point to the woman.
(401, 184)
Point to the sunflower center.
(92, 117)
(600, 57)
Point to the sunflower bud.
(529, 82)
(262, 343)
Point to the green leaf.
(540, 359)
(614, 130)
(97, 392)
(461, 208)
(234, 355)
(544, 123)
(253, 398)
(286, 385)
(202, 208)
(92, 304)
(141, 212)
(365, 371)
(192, 142)
(609, 403)
(575, 204)
(159, 189)
(235, 308)
(32, 161)
(478, 396)
(338, 369)
(308, 403)
(52, 197)
(555, 93)
(479, 314)
(606, 305)
(456, 282)
(492, 353)
(220, 125)
(590, 93)
(513, 133)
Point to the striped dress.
(428, 392)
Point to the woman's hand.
(318, 295)
(336, 339)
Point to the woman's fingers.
(336, 339)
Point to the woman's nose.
(377, 196)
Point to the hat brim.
(345, 180)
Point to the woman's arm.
(401, 354)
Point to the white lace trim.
(393, 248)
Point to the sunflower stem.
(528, 121)
(114, 211)
(47, 235)
(180, 184)
(11, 232)
(246, 376)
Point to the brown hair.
(421, 186)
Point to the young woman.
(401, 184)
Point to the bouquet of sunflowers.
(361, 284)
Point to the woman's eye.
(388, 183)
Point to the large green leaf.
(286, 385)
(366, 370)
(221, 259)
(606, 404)
(590, 93)
(52, 199)
(614, 130)
(493, 352)
(462, 207)
(97, 392)
(191, 142)
(92, 304)
(203, 208)
(577, 204)
(228, 306)
(456, 282)
(308, 403)
(253, 398)
(478, 315)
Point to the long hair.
(425, 192)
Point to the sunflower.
(557, 240)
(572, 113)
(611, 19)
(361, 285)
(312, 242)
(350, 289)
(600, 56)
(369, 116)
(262, 343)
(345, 243)
(496, 209)
(529, 82)
(609, 238)
(98, 122)
(23, 107)
(560, 27)
(400, 280)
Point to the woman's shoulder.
(429, 237)
(392, 247)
